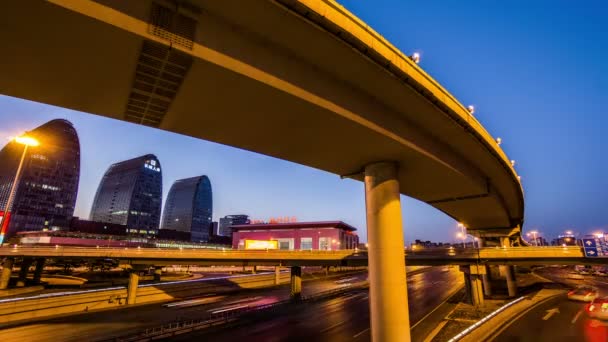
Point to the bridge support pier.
(389, 313)
(132, 287)
(254, 269)
(511, 281)
(487, 281)
(158, 272)
(7, 270)
(277, 275)
(296, 283)
(473, 283)
(26, 263)
(38, 271)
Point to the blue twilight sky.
(537, 72)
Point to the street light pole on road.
(27, 142)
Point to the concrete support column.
(277, 275)
(132, 287)
(25, 268)
(296, 283)
(389, 313)
(326, 271)
(486, 279)
(473, 283)
(511, 281)
(158, 271)
(38, 270)
(505, 242)
(254, 269)
(7, 270)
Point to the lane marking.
(360, 333)
(550, 313)
(333, 326)
(577, 316)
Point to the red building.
(324, 235)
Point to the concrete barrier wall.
(38, 308)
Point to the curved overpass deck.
(304, 81)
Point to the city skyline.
(551, 124)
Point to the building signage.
(151, 165)
(261, 244)
(4, 221)
(595, 247)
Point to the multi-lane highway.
(349, 314)
(560, 319)
(338, 319)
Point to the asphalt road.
(345, 318)
(559, 319)
(109, 323)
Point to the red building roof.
(296, 225)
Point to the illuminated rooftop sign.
(151, 164)
(261, 244)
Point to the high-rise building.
(231, 220)
(130, 194)
(189, 207)
(46, 193)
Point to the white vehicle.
(583, 293)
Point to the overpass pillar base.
(487, 281)
(132, 287)
(26, 263)
(296, 283)
(7, 270)
(473, 283)
(158, 272)
(38, 271)
(389, 313)
(254, 269)
(277, 275)
(511, 281)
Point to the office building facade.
(228, 221)
(323, 235)
(189, 208)
(130, 194)
(46, 194)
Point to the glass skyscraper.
(46, 193)
(130, 194)
(228, 221)
(189, 207)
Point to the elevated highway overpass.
(301, 80)
(571, 255)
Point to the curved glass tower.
(46, 194)
(189, 207)
(130, 194)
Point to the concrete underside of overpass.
(302, 81)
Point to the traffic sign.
(595, 248)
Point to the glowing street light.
(533, 233)
(471, 109)
(498, 141)
(26, 141)
(415, 57)
(512, 162)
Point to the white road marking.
(360, 333)
(550, 313)
(577, 316)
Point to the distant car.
(583, 294)
(598, 308)
(601, 273)
(583, 271)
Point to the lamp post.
(26, 141)
(462, 234)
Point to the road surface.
(559, 319)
